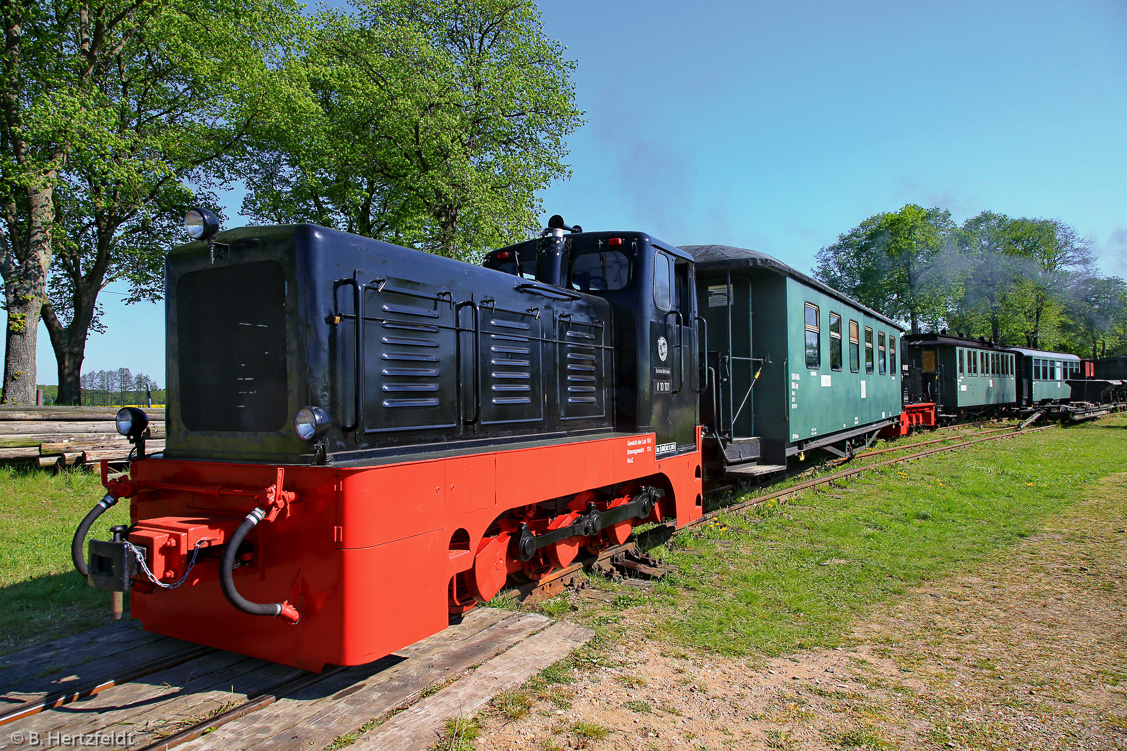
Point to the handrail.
(359, 372)
(476, 331)
(703, 360)
(547, 290)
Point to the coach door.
(675, 372)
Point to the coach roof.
(729, 258)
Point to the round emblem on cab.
(662, 348)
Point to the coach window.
(868, 350)
(854, 347)
(813, 338)
(973, 361)
(892, 355)
(835, 341)
(961, 369)
(883, 361)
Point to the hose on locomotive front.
(283, 610)
(79, 540)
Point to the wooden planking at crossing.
(246, 703)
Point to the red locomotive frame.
(366, 560)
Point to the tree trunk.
(69, 357)
(69, 342)
(19, 351)
(24, 292)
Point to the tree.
(886, 262)
(991, 273)
(430, 123)
(1096, 310)
(1056, 254)
(107, 111)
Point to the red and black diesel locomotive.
(363, 439)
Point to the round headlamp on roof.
(201, 224)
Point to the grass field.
(41, 595)
(793, 574)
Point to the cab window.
(663, 281)
(604, 270)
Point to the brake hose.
(283, 610)
(79, 540)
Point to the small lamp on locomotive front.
(311, 423)
(131, 422)
(201, 224)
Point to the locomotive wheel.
(619, 533)
(490, 569)
(563, 553)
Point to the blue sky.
(777, 126)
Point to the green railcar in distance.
(793, 364)
(1043, 376)
(960, 374)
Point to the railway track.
(123, 688)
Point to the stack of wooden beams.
(65, 436)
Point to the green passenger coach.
(1043, 376)
(793, 364)
(962, 375)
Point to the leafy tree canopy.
(430, 123)
(1019, 281)
(110, 111)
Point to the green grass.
(794, 574)
(42, 597)
(461, 732)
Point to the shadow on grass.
(50, 607)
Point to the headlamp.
(131, 422)
(201, 224)
(311, 423)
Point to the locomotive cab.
(649, 285)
